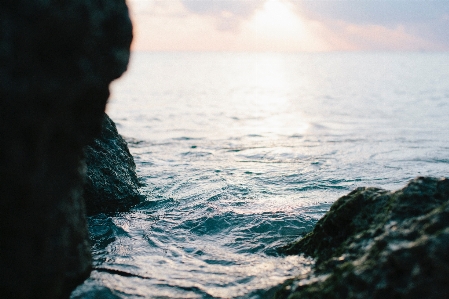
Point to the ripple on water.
(183, 249)
(238, 166)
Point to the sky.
(290, 25)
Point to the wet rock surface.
(111, 182)
(57, 60)
(379, 244)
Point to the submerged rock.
(57, 59)
(379, 244)
(111, 182)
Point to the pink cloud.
(348, 36)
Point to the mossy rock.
(379, 244)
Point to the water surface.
(242, 153)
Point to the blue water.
(242, 153)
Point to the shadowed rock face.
(57, 59)
(379, 244)
(111, 182)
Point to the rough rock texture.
(379, 244)
(57, 59)
(111, 183)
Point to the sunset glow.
(288, 26)
(277, 20)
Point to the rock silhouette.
(57, 59)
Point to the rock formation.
(111, 182)
(57, 59)
(379, 244)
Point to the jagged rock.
(111, 182)
(379, 244)
(57, 59)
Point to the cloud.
(426, 20)
(381, 12)
(157, 8)
(415, 21)
(228, 13)
(327, 25)
(239, 8)
(377, 37)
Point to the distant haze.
(290, 25)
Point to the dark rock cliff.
(379, 244)
(111, 182)
(57, 59)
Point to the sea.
(242, 153)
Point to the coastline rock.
(379, 244)
(111, 181)
(57, 58)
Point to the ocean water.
(242, 153)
